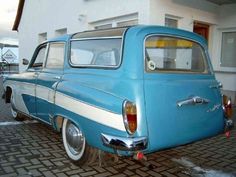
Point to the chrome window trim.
(48, 48)
(93, 38)
(208, 67)
(99, 66)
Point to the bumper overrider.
(124, 143)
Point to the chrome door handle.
(57, 77)
(193, 101)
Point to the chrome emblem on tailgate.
(215, 107)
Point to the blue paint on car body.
(155, 93)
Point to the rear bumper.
(124, 143)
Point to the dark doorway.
(201, 29)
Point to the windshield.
(174, 54)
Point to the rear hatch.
(183, 102)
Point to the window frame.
(217, 53)
(174, 19)
(47, 52)
(221, 49)
(208, 68)
(97, 66)
(36, 52)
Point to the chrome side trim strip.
(124, 143)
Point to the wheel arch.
(8, 92)
(58, 122)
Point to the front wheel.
(75, 143)
(14, 112)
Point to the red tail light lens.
(130, 117)
(227, 106)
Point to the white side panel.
(71, 104)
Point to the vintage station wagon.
(124, 90)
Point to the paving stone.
(48, 174)
(61, 175)
(89, 173)
(103, 174)
(153, 173)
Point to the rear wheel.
(14, 112)
(75, 143)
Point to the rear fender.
(93, 111)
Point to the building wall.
(55, 17)
(41, 16)
(226, 75)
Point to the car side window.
(96, 52)
(107, 58)
(55, 58)
(38, 62)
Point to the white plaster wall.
(187, 11)
(40, 16)
(227, 22)
(228, 16)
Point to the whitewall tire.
(75, 143)
(14, 112)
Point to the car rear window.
(174, 54)
(96, 52)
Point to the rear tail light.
(130, 117)
(227, 106)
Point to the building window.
(170, 22)
(228, 52)
(127, 23)
(42, 37)
(119, 21)
(103, 26)
(60, 32)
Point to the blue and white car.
(123, 90)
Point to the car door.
(183, 103)
(48, 79)
(28, 80)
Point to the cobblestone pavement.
(34, 149)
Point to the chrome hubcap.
(75, 138)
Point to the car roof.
(110, 32)
(138, 29)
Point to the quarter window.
(96, 52)
(174, 54)
(55, 57)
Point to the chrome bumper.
(124, 143)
